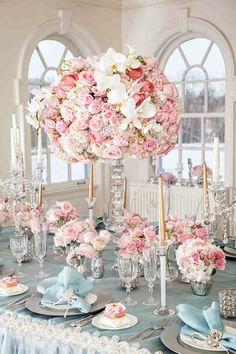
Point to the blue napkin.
(68, 282)
(203, 322)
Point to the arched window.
(197, 68)
(45, 61)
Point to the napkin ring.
(214, 337)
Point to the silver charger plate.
(34, 305)
(170, 338)
(6, 271)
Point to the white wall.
(96, 25)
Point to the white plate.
(16, 290)
(90, 298)
(198, 344)
(97, 323)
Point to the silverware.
(156, 328)
(137, 334)
(15, 302)
(82, 322)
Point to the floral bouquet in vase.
(168, 177)
(197, 260)
(59, 214)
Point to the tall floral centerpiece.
(108, 107)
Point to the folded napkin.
(207, 324)
(69, 287)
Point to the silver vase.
(97, 266)
(201, 288)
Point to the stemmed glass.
(106, 216)
(128, 271)
(19, 247)
(40, 246)
(150, 273)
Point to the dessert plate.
(34, 305)
(90, 298)
(96, 322)
(16, 290)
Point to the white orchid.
(105, 82)
(111, 62)
(131, 61)
(118, 94)
(132, 113)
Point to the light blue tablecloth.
(177, 293)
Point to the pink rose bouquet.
(107, 107)
(137, 236)
(180, 230)
(168, 178)
(197, 258)
(197, 171)
(5, 211)
(37, 220)
(60, 214)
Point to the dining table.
(26, 332)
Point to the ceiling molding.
(132, 4)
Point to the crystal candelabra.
(190, 180)
(154, 169)
(179, 170)
(117, 189)
(164, 310)
(91, 202)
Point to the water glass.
(40, 246)
(19, 248)
(128, 271)
(150, 273)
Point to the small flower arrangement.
(197, 171)
(168, 178)
(37, 220)
(59, 214)
(198, 258)
(5, 211)
(180, 230)
(137, 236)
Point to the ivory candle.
(40, 195)
(13, 148)
(216, 161)
(124, 194)
(91, 181)
(205, 186)
(161, 213)
(39, 146)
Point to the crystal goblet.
(150, 273)
(128, 271)
(19, 247)
(40, 246)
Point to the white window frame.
(39, 83)
(205, 114)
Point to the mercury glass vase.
(97, 266)
(117, 188)
(201, 288)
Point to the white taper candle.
(39, 146)
(216, 161)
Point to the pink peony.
(86, 250)
(220, 263)
(61, 127)
(89, 236)
(67, 82)
(113, 152)
(201, 233)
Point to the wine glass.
(19, 247)
(40, 246)
(150, 273)
(128, 271)
(106, 216)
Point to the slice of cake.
(8, 282)
(114, 316)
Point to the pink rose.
(113, 152)
(170, 91)
(67, 82)
(94, 107)
(61, 127)
(139, 98)
(105, 234)
(167, 106)
(115, 119)
(50, 111)
(87, 78)
(195, 256)
(184, 237)
(134, 74)
(86, 250)
(131, 248)
(150, 144)
(96, 124)
(89, 236)
(201, 233)
(149, 233)
(220, 263)
(66, 207)
(99, 243)
(71, 233)
(49, 124)
(87, 99)
(96, 137)
(147, 86)
(51, 216)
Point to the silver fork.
(138, 334)
(168, 322)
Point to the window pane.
(214, 127)
(194, 98)
(50, 77)
(180, 91)
(59, 170)
(77, 171)
(191, 130)
(215, 64)
(195, 74)
(69, 55)
(195, 155)
(195, 49)
(34, 160)
(216, 97)
(169, 162)
(175, 67)
(36, 67)
(52, 52)
(209, 160)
